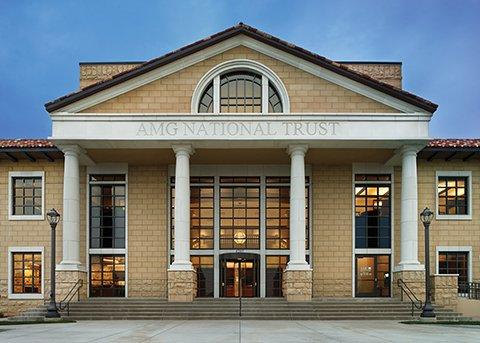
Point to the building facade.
(239, 165)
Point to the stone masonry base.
(414, 279)
(66, 280)
(445, 290)
(297, 285)
(182, 285)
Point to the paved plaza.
(238, 331)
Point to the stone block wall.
(332, 231)
(147, 231)
(445, 290)
(297, 285)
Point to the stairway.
(255, 309)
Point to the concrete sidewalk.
(238, 331)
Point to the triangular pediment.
(333, 88)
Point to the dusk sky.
(42, 42)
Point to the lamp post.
(53, 218)
(428, 311)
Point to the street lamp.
(53, 218)
(428, 311)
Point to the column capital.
(410, 149)
(72, 149)
(295, 149)
(183, 149)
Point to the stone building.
(239, 165)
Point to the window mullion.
(264, 94)
(216, 94)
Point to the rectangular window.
(107, 275)
(201, 212)
(239, 217)
(26, 273)
(278, 217)
(26, 195)
(454, 263)
(453, 195)
(274, 274)
(204, 267)
(372, 215)
(107, 211)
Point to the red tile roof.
(25, 143)
(454, 143)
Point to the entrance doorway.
(372, 276)
(239, 275)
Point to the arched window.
(240, 86)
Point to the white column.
(182, 208)
(71, 209)
(297, 208)
(409, 211)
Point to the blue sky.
(41, 43)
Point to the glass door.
(372, 276)
(239, 277)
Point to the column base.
(414, 279)
(182, 285)
(297, 285)
(66, 280)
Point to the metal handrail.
(470, 290)
(75, 290)
(416, 303)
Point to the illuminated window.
(453, 195)
(201, 212)
(239, 214)
(107, 275)
(26, 273)
(204, 267)
(274, 274)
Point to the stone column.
(297, 278)
(409, 269)
(71, 209)
(70, 269)
(181, 275)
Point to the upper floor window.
(372, 211)
(107, 211)
(240, 86)
(453, 195)
(26, 195)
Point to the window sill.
(25, 296)
(453, 217)
(32, 217)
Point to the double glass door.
(239, 276)
(373, 276)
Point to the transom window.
(452, 195)
(372, 214)
(240, 91)
(27, 272)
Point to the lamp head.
(53, 217)
(426, 216)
